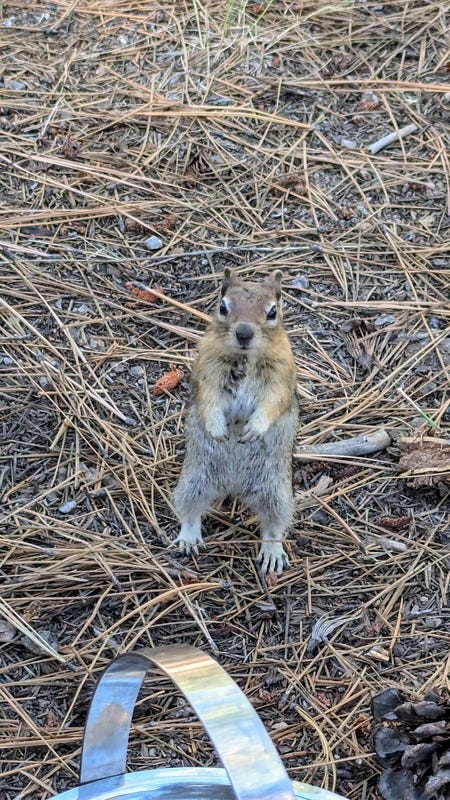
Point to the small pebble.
(153, 243)
(300, 282)
(384, 319)
(280, 726)
(136, 372)
(82, 309)
(320, 516)
(12, 84)
(66, 508)
(118, 367)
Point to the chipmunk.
(242, 419)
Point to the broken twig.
(391, 137)
(357, 446)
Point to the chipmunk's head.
(249, 313)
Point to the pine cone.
(412, 741)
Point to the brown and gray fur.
(242, 419)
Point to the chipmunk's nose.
(244, 334)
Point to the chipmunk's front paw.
(272, 558)
(216, 426)
(256, 427)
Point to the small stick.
(353, 536)
(47, 122)
(357, 446)
(171, 300)
(391, 137)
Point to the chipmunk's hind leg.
(191, 499)
(275, 511)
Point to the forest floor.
(220, 134)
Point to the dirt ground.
(220, 134)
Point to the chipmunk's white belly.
(241, 405)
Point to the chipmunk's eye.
(272, 313)
(223, 309)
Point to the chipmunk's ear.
(229, 278)
(275, 280)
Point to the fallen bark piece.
(357, 446)
(427, 460)
(390, 138)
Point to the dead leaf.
(168, 381)
(291, 182)
(346, 212)
(362, 724)
(167, 224)
(270, 696)
(70, 148)
(256, 9)
(79, 227)
(52, 721)
(135, 226)
(369, 101)
(426, 459)
(143, 294)
(162, 226)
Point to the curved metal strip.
(105, 743)
(238, 735)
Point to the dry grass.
(122, 120)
